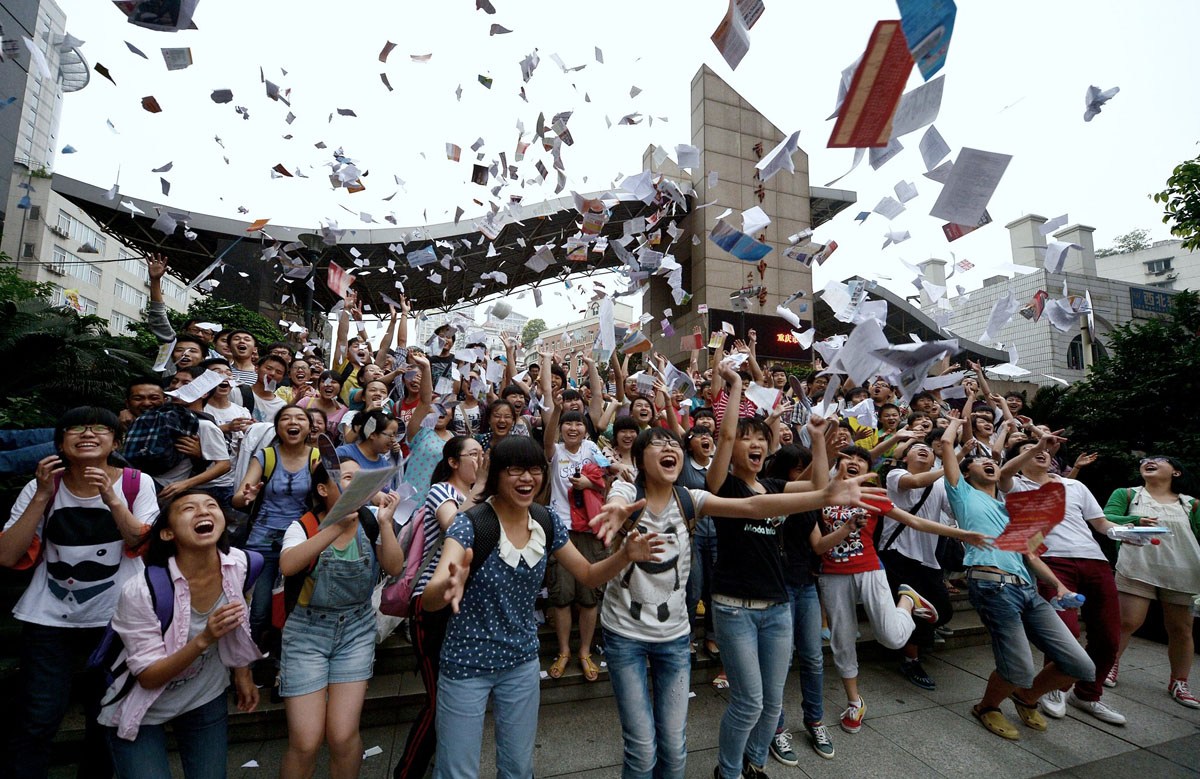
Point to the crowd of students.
(665, 510)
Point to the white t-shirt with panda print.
(648, 601)
(82, 564)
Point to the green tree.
(14, 287)
(1132, 241)
(58, 360)
(210, 309)
(1181, 203)
(533, 328)
(1139, 400)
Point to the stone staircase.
(395, 694)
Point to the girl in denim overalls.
(329, 638)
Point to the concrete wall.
(1137, 268)
(726, 128)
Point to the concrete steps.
(395, 694)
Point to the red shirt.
(856, 554)
(746, 410)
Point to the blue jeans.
(806, 631)
(699, 584)
(515, 694)
(756, 646)
(260, 602)
(654, 726)
(21, 450)
(50, 657)
(201, 735)
(1016, 615)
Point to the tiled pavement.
(908, 732)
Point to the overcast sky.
(1015, 82)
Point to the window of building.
(80, 232)
(1159, 266)
(29, 250)
(128, 294)
(135, 267)
(173, 290)
(118, 323)
(1168, 284)
(1075, 352)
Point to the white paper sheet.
(970, 186)
(1053, 224)
(358, 492)
(905, 191)
(918, 107)
(933, 147)
(754, 219)
(763, 397)
(1002, 313)
(878, 157)
(1056, 255)
(889, 208)
(779, 158)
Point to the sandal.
(1030, 716)
(711, 649)
(591, 671)
(994, 720)
(556, 669)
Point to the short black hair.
(142, 381)
(571, 394)
(785, 459)
(858, 451)
(86, 415)
(886, 406)
(513, 389)
(211, 361)
(748, 425)
(518, 451)
(644, 439)
(623, 423)
(703, 411)
(281, 345)
(240, 331)
(268, 357)
(571, 416)
(924, 395)
(184, 338)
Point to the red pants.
(1101, 613)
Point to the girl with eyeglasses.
(75, 525)
(501, 416)
(455, 478)
(1168, 572)
(644, 614)
(491, 646)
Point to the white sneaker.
(1054, 704)
(1097, 709)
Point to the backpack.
(150, 442)
(487, 531)
(397, 597)
(238, 536)
(108, 653)
(283, 603)
(687, 506)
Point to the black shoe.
(751, 771)
(912, 670)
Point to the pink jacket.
(146, 644)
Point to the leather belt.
(743, 603)
(992, 576)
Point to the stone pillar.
(1079, 261)
(1028, 243)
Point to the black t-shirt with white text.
(749, 551)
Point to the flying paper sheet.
(915, 361)
(857, 358)
(905, 191)
(779, 158)
(363, 485)
(933, 148)
(889, 208)
(1095, 100)
(863, 412)
(1053, 224)
(878, 157)
(918, 107)
(866, 116)
(1056, 255)
(1002, 313)
(763, 397)
(754, 220)
(157, 15)
(338, 280)
(732, 36)
(738, 243)
(970, 186)
(928, 25)
(953, 231)
(198, 387)
(687, 156)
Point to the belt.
(743, 603)
(992, 576)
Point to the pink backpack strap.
(131, 485)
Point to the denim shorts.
(326, 646)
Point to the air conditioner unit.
(61, 233)
(57, 270)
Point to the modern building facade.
(1164, 265)
(49, 238)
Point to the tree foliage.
(1181, 203)
(533, 328)
(1132, 241)
(210, 309)
(14, 287)
(57, 360)
(1139, 400)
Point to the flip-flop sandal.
(591, 671)
(994, 720)
(556, 669)
(711, 649)
(1030, 716)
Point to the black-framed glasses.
(664, 443)
(95, 429)
(517, 471)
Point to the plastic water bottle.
(1072, 600)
